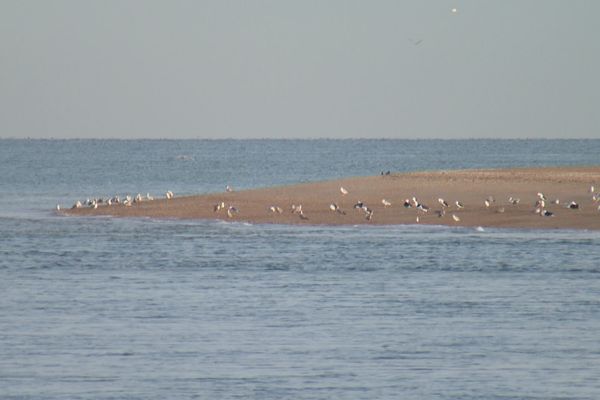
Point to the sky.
(300, 69)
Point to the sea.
(110, 308)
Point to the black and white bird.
(573, 206)
(459, 205)
(443, 202)
(546, 213)
(514, 200)
(407, 203)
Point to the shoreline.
(383, 198)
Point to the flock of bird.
(540, 207)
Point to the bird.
(442, 202)
(440, 213)
(459, 205)
(385, 203)
(407, 203)
(514, 201)
(422, 207)
(540, 203)
(58, 207)
(573, 206)
(278, 209)
(541, 196)
(500, 210)
(228, 188)
(359, 204)
(148, 197)
(343, 190)
(417, 219)
(273, 209)
(455, 218)
(77, 204)
(591, 189)
(302, 216)
(454, 10)
(168, 195)
(335, 207)
(546, 213)
(487, 203)
(231, 210)
(556, 201)
(369, 214)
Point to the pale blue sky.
(301, 69)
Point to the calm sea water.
(105, 308)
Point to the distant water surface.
(106, 308)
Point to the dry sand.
(470, 187)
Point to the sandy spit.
(469, 187)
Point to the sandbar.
(560, 187)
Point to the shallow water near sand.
(107, 308)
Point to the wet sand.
(469, 187)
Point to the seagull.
(455, 218)
(459, 205)
(169, 195)
(231, 210)
(385, 203)
(344, 191)
(573, 206)
(442, 202)
(541, 196)
(148, 197)
(422, 207)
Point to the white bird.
(454, 10)
(333, 207)
(231, 210)
(168, 195)
(455, 218)
(58, 207)
(77, 204)
(302, 216)
(591, 189)
(487, 203)
(417, 219)
(229, 188)
(343, 190)
(459, 205)
(278, 209)
(385, 203)
(272, 209)
(442, 202)
(541, 196)
(148, 197)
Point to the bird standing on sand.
(459, 205)
(169, 195)
(455, 218)
(343, 190)
(443, 202)
(385, 203)
(573, 206)
(228, 188)
(407, 203)
(514, 201)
